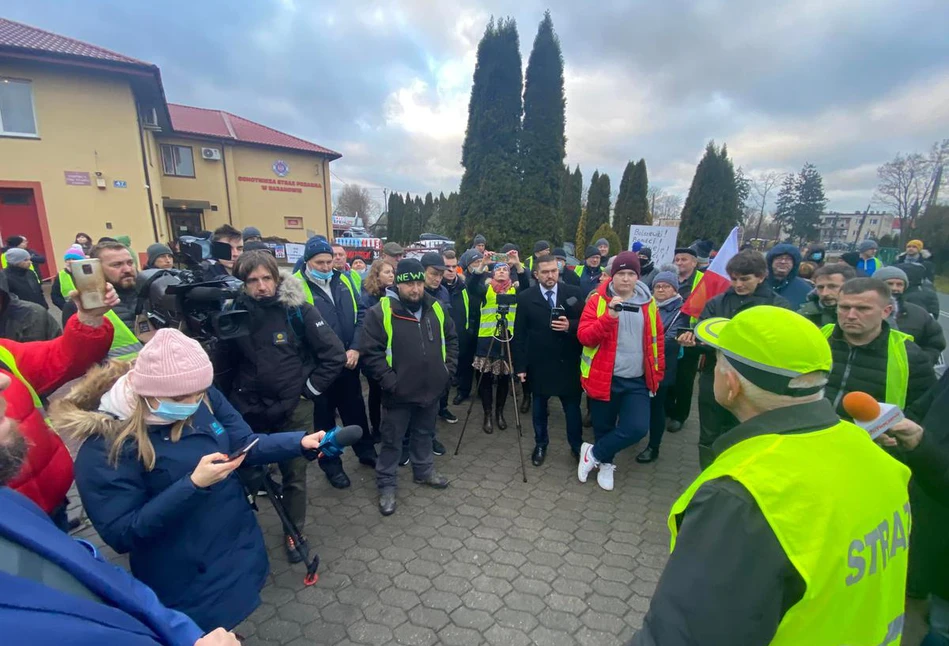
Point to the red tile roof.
(19, 36)
(224, 125)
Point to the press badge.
(279, 338)
(217, 428)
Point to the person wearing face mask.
(333, 293)
(273, 374)
(155, 478)
(649, 269)
(566, 277)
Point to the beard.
(126, 283)
(12, 454)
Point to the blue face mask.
(174, 411)
(319, 275)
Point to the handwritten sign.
(294, 252)
(662, 241)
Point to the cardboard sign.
(662, 241)
(294, 252)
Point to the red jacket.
(46, 365)
(600, 332)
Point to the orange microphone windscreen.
(861, 406)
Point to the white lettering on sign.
(662, 241)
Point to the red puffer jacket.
(46, 365)
(599, 331)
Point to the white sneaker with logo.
(604, 476)
(587, 462)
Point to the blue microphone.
(336, 440)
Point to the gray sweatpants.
(396, 422)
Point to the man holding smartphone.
(546, 351)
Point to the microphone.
(872, 416)
(335, 441)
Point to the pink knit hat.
(171, 365)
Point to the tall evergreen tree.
(489, 186)
(800, 203)
(785, 206)
(598, 204)
(571, 204)
(711, 209)
(396, 212)
(427, 212)
(409, 220)
(581, 234)
(632, 203)
(543, 144)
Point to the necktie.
(550, 298)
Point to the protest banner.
(662, 241)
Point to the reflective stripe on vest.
(386, 306)
(65, 283)
(125, 345)
(489, 313)
(897, 365)
(308, 293)
(578, 270)
(356, 278)
(464, 297)
(652, 313)
(850, 548)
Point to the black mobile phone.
(238, 453)
(556, 312)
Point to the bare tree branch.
(906, 183)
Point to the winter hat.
(601, 241)
(259, 245)
(469, 257)
(315, 246)
(479, 239)
(889, 273)
(644, 251)
(75, 252)
(509, 247)
(171, 365)
(15, 241)
(560, 253)
(867, 245)
(625, 260)
(393, 249)
(157, 249)
(16, 255)
(409, 270)
(668, 277)
(590, 252)
(541, 245)
(916, 243)
(250, 232)
(637, 246)
(688, 250)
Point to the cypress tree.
(711, 209)
(394, 218)
(571, 204)
(632, 203)
(598, 204)
(811, 203)
(581, 234)
(489, 186)
(543, 143)
(427, 212)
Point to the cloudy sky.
(843, 84)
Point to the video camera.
(504, 303)
(184, 299)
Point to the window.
(16, 108)
(177, 160)
(873, 220)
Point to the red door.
(19, 217)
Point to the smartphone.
(556, 312)
(236, 454)
(90, 282)
(497, 257)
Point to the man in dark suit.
(545, 350)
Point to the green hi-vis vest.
(897, 365)
(125, 345)
(356, 278)
(489, 313)
(3, 262)
(7, 359)
(386, 306)
(839, 507)
(65, 283)
(464, 297)
(308, 293)
(695, 281)
(652, 313)
(578, 270)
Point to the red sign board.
(77, 178)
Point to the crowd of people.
(169, 430)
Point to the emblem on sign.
(281, 168)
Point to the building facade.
(88, 143)
(849, 228)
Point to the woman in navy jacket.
(154, 478)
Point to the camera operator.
(119, 270)
(411, 349)
(159, 445)
(547, 352)
(290, 352)
(212, 268)
(336, 298)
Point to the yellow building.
(88, 143)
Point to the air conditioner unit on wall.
(211, 154)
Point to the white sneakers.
(588, 463)
(604, 477)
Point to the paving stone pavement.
(490, 560)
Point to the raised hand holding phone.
(214, 468)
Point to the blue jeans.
(571, 411)
(622, 421)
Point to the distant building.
(848, 228)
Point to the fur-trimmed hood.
(77, 415)
(290, 290)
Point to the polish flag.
(715, 280)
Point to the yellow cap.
(771, 339)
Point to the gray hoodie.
(629, 341)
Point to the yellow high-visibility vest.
(652, 313)
(386, 306)
(897, 365)
(66, 283)
(308, 293)
(125, 345)
(489, 313)
(839, 507)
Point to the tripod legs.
(517, 416)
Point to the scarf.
(499, 287)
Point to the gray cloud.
(843, 84)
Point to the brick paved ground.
(490, 560)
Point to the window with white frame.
(16, 108)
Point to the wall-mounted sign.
(344, 220)
(292, 222)
(279, 185)
(120, 183)
(77, 178)
(281, 168)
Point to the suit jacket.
(550, 359)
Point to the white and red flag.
(715, 279)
